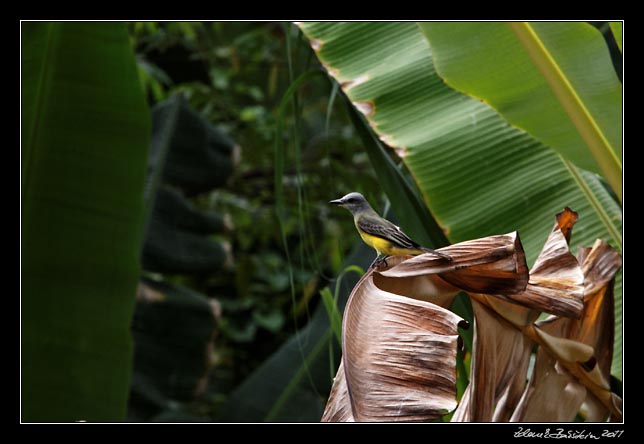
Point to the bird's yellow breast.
(383, 246)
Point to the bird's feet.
(378, 261)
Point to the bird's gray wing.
(377, 226)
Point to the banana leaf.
(197, 148)
(85, 136)
(173, 326)
(399, 354)
(555, 80)
(174, 330)
(616, 27)
(177, 240)
(189, 153)
(478, 174)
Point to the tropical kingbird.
(380, 234)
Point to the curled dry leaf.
(424, 287)
(400, 345)
(552, 395)
(597, 325)
(399, 357)
(599, 265)
(556, 282)
(491, 265)
(500, 361)
(573, 362)
(565, 221)
(575, 355)
(566, 350)
(338, 407)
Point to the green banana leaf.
(405, 199)
(555, 80)
(177, 240)
(85, 136)
(174, 326)
(189, 153)
(479, 175)
(181, 213)
(197, 149)
(616, 27)
(173, 329)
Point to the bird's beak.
(336, 202)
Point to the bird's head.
(354, 202)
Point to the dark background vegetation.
(234, 76)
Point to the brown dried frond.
(399, 357)
(491, 265)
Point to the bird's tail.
(437, 253)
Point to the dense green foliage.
(235, 75)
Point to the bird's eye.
(351, 200)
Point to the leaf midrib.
(589, 130)
(595, 204)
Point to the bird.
(379, 233)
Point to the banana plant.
(174, 326)
(85, 133)
(533, 121)
(478, 172)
